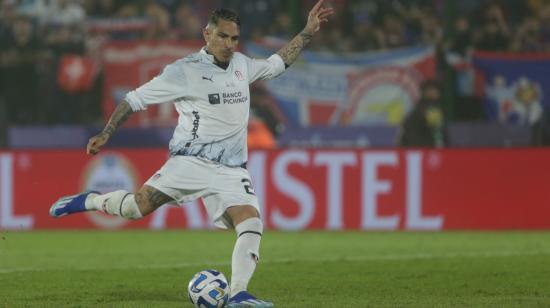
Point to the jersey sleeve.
(263, 69)
(170, 85)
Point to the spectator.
(281, 26)
(367, 37)
(188, 26)
(19, 52)
(265, 110)
(544, 19)
(62, 40)
(431, 29)
(67, 12)
(425, 125)
(259, 136)
(529, 37)
(101, 8)
(494, 32)
(462, 41)
(160, 18)
(394, 31)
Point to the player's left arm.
(318, 14)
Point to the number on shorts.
(248, 187)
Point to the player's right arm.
(166, 87)
(119, 116)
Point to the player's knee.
(253, 224)
(241, 213)
(149, 199)
(249, 230)
(129, 207)
(145, 206)
(249, 211)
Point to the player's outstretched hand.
(317, 16)
(96, 143)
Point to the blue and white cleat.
(244, 299)
(70, 204)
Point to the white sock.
(117, 203)
(246, 253)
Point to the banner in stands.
(513, 86)
(365, 88)
(302, 189)
(127, 65)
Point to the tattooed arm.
(289, 53)
(119, 116)
(317, 15)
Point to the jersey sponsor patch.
(214, 99)
(236, 97)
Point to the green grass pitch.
(302, 269)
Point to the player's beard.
(227, 54)
(224, 63)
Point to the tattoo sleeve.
(119, 116)
(289, 53)
(152, 197)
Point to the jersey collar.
(207, 56)
(210, 58)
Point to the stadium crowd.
(35, 35)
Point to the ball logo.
(106, 173)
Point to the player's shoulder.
(193, 58)
(241, 59)
(240, 56)
(183, 64)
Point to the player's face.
(222, 40)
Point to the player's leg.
(128, 205)
(232, 202)
(118, 203)
(169, 183)
(246, 254)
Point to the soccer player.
(210, 91)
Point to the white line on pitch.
(397, 257)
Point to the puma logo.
(255, 257)
(210, 79)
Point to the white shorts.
(186, 178)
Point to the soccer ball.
(208, 289)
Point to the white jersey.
(213, 103)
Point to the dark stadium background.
(346, 146)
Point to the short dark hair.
(225, 14)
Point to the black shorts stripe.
(122, 202)
(253, 232)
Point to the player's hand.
(317, 16)
(97, 142)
